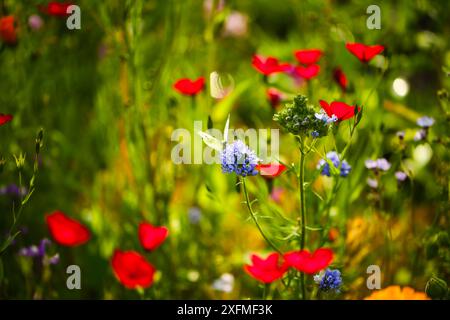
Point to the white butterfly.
(213, 142)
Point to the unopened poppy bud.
(39, 140)
(436, 288)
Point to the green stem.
(302, 220)
(252, 214)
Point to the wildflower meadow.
(220, 149)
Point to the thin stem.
(252, 214)
(302, 220)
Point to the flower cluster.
(378, 164)
(329, 280)
(40, 252)
(333, 157)
(424, 123)
(300, 119)
(240, 159)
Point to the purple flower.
(40, 252)
(240, 159)
(334, 158)
(51, 260)
(35, 22)
(420, 135)
(401, 176)
(314, 134)
(373, 183)
(194, 215)
(378, 164)
(425, 122)
(31, 252)
(13, 190)
(329, 280)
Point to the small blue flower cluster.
(330, 280)
(238, 158)
(326, 121)
(425, 123)
(334, 157)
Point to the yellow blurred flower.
(397, 293)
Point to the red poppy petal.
(266, 270)
(188, 87)
(357, 49)
(150, 236)
(307, 57)
(326, 107)
(309, 263)
(271, 170)
(308, 72)
(372, 51)
(5, 118)
(132, 270)
(66, 231)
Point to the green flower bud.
(299, 119)
(436, 288)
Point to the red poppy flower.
(7, 30)
(5, 118)
(66, 231)
(271, 170)
(340, 109)
(132, 270)
(309, 263)
(362, 52)
(308, 72)
(266, 270)
(340, 78)
(189, 87)
(309, 56)
(274, 96)
(57, 9)
(269, 65)
(150, 236)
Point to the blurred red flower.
(189, 87)
(266, 270)
(57, 9)
(362, 52)
(66, 231)
(5, 118)
(7, 30)
(340, 78)
(308, 72)
(271, 170)
(132, 270)
(274, 96)
(269, 65)
(309, 263)
(150, 236)
(333, 234)
(340, 109)
(308, 56)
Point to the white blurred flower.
(236, 25)
(225, 283)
